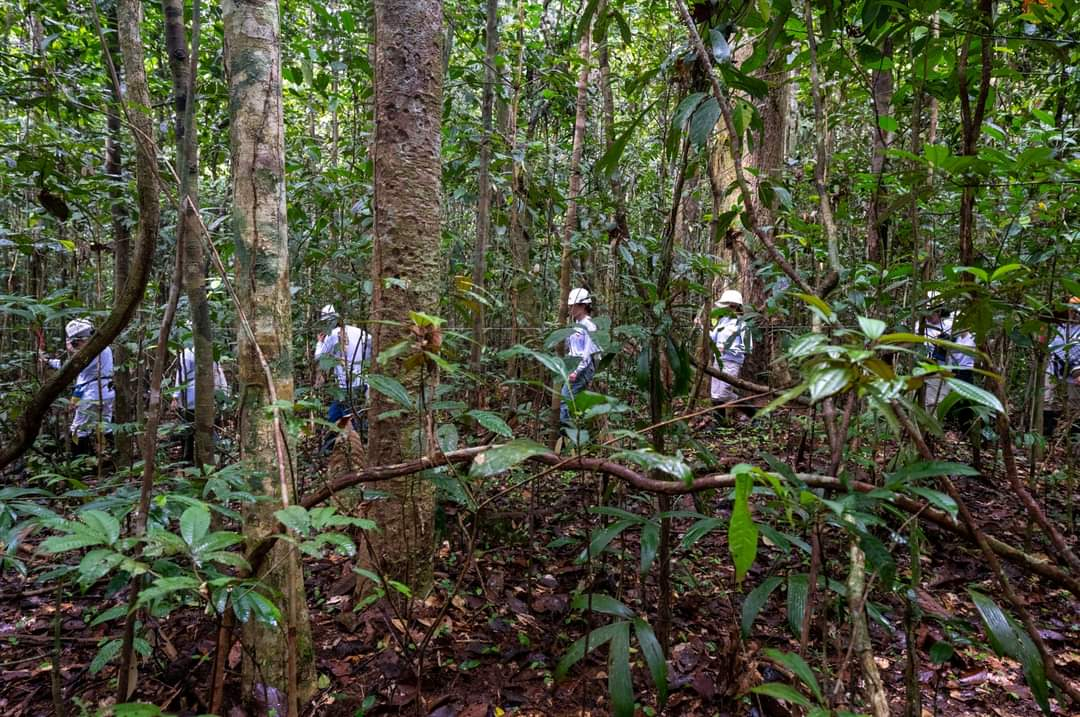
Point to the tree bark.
(881, 83)
(483, 205)
(405, 266)
(114, 170)
(278, 670)
(183, 65)
(971, 119)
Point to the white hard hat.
(328, 313)
(78, 328)
(579, 296)
(731, 296)
(932, 294)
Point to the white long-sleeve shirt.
(185, 374)
(94, 381)
(580, 343)
(351, 353)
(729, 337)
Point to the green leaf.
(1009, 639)
(392, 389)
(66, 543)
(872, 328)
(703, 121)
(650, 543)
(654, 657)
(927, 469)
(700, 529)
(782, 692)
(756, 600)
(936, 154)
(504, 457)
(936, 498)
(742, 532)
(817, 303)
(492, 422)
(975, 394)
(102, 523)
(602, 537)
(653, 461)
(194, 523)
(620, 682)
(1005, 270)
(879, 559)
(595, 639)
(111, 614)
(97, 564)
(295, 518)
(105, 655)
(797, 590)
(136, 710)
(263, 610)
(798, 667)
(598, 602)
(829, 382)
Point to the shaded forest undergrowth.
(510, 617)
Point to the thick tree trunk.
(483, 206)
(405, 265)
(278, 669)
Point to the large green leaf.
(756, 600)
(194, 523)
(598, 602)
(797, 590)
(872, 328)
(652, 461)
(654, 657)
(782, 692)
(703, 121)
(829, 381)
(650, 543)
(620, 681)
(492, 422)
(797, 665)
(602, 537)
(295, 518)
(742, 532)
(976, 394)
(927, 469)
(504, 457)
(391, 388)
(576, 651)
(1010, 640)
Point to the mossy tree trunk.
(279, 668)
(405, 268)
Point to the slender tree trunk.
(822, 153)
(405, 266)
(483, 206)
(278, 669)
(183, 65)
(882, 85)
(971, 119)
(570, 218)
(620, 229)
(114, 169)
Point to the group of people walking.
(347, 350)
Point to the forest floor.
(510, 621)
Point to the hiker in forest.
(730, 341)
(348, 347)
(579, 345)
(183, 401)
(935, 326)
(93, 397)
(1061, 391)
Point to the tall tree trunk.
(881, 83)
(821, 160)
(619, 230)
(114, 169)
(183, 65)
(483, 206)
(278, 670)
(405, 265)
(971, 119)
(570, 218)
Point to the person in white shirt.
(349, 348)
(183, 401)
(938, 325)
(1061, 389)
(93, 396)
(729, 336)
(581, 346)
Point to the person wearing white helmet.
(183, 398)
(581, 346)
(731, 341)
(347, 348)
(93, 395)
(1061, 388)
